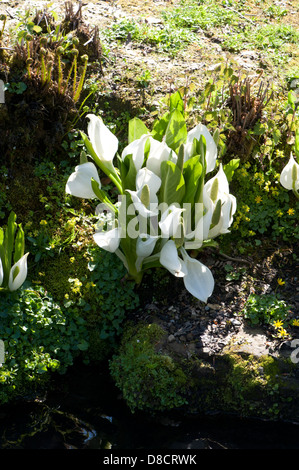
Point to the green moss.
(149, 380)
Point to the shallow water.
(86, 412)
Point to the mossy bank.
(154, 377)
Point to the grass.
(270, 30)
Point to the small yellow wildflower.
(296, 322)
(267, 186)
(282, 333)
(258, 199)
(291, 211)
(280, 282)
(72, 259)
(279, 213)
(278, 324)
(43, 222)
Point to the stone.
(171, 338)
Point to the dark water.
(85, 412)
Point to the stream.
(85, 411)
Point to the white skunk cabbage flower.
(79, 182)
(18, 273)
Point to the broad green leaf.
(128, 172)
(230, 168)
(160, 126)
(19, 244)
(173, 184)
(127, 242)
(10, 235)
(192, 172)
(176, 132)
(136, 129)
(180, 161)
(176, 102)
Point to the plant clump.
(39, 337)
(44, 76)
(149, 380)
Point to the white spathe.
(144, 247)
(169, 258)
(79, 182)
(109, 240)
(103, 141)
(18, 273)
(289, 177)
(220, 191)
(1, 272)
(159, 152)
(146, 177)
(199, 281)
(197, 278)
(136, 149)
(211, 147)
(170, 222)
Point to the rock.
(171, 338)
(251, 341)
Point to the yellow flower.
(43, 222)
(267, 186)
(258, 199)
(280, 282)
(279, 213)
(282, 333)
(72, 259)
(291, 211)
(278, 324)
(296, 322)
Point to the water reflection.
(86, 412)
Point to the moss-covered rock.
(149, 379)
(154, 377)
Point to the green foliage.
(265, 310)
(39, 336)
(167, 39)
(265, 208)
(148, 380)
(108, 296)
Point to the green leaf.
(230, 168)
(102, 195)
(176, 102)
(37, 29)
(128, 172)
(297, 143)
(193, 175)
(173, 183)
(176, 132)
(136, 129)
(19, 244)
(160, 126)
